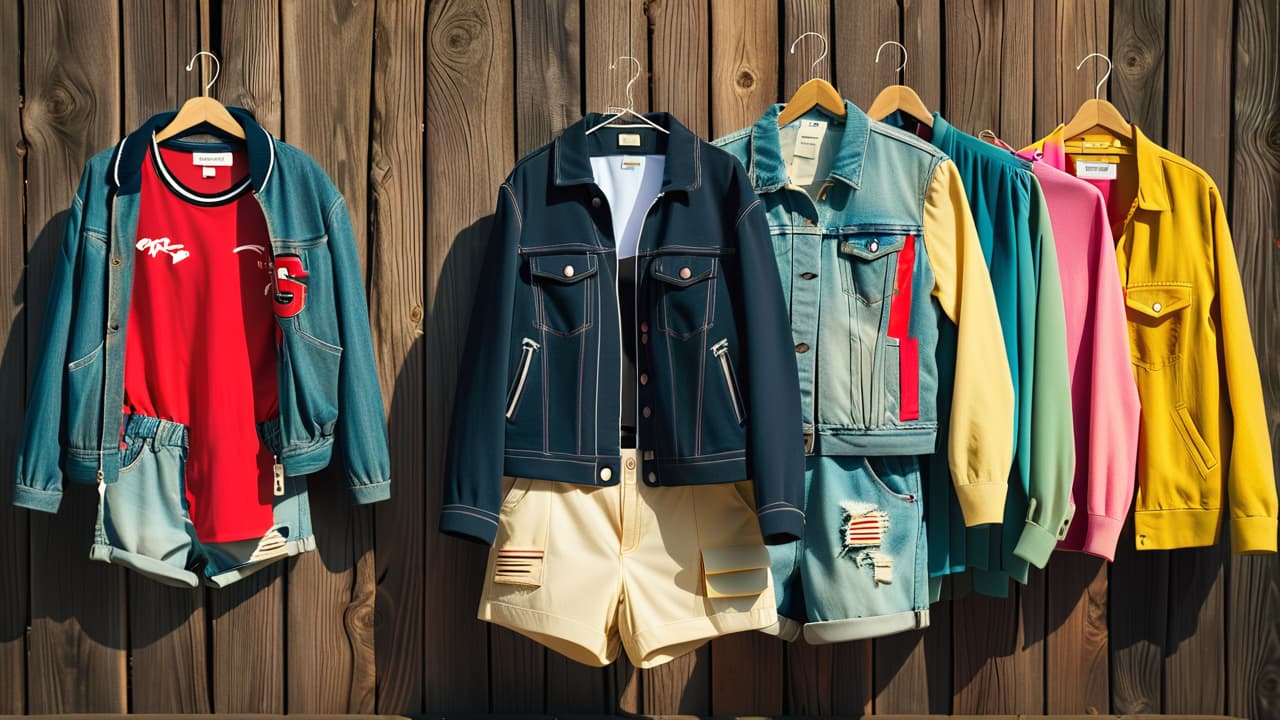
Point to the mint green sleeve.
(1052, 451)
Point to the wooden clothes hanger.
(1098, 114)
(621, 112)
(899, 98)
(202, 110)
(815, 93)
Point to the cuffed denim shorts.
(860, 570)
(144, 523)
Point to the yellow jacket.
(1203, 420)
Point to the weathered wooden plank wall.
(418, 108)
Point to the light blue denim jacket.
(878, 255)
(328, 380)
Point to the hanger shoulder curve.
(814, 93)
(197, 111)
(901, 98)
(1097, 113)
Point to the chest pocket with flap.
(867, 265)
(563, 287)
(1157, 315)
(685, 286)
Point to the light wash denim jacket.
(328, 380)
(878, 254)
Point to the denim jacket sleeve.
(473, 470)
(38, 483)
(773, 384)
(361, 429)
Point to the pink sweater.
(1104, 396)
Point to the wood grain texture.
(744, 62)
(746, 675)
(71, 65)
(922, 34)
(851, 672)
(997, 653)
(396, 309)
(1016, 71)
(612, 28)
(681, 62)
(1066, 31)
(860, 28)
(574, 688)
(247, 619)
(13, 370)
(1253, 595)
(168, 658)
(1199, 46)
(1137, 611)
(1076, 646)
(327, 50)
(680, 687)
(471, 96)
(799, 17)
(973, 62)
(1138, 39)
(809, 679)
(548, 70)
(913, 670)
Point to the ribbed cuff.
(376, 492)
(781, 523)
(1036, 544)
(1253, 535)
(1102, 535)
(982, 503)
(33, 499)
(469, 524)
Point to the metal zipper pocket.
(721, 351)
(528, 347)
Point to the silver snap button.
(605, 474)
(874, 246)
(1157, 307)
(653, 478)
(568, 271)
(647, 412)
(685, 273)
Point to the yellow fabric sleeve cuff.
(1253, 535)
(982, 503)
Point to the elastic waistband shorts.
(860, 571)
(144, 524)
(657, 571)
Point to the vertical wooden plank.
(851, 689)
(576, 689)
(612, 28)
(470, 100)
(327, 54)
(922, 34)
(1076, 647)
(913, 670)
(999, 664)
(396, 307)
(1017, 86)
(622, 687)
(548, 70)
(799, 17)
(809, 673)
(746, 675)
(13, 371)
(71, 63)
(1138, 594)
(1066, 31)
(860, 28)
(681, 62)
(744, 62)
(680, 687)
(1199, 128)
(973, 57)
(248, 617)
(1253, 610)
(168, 652)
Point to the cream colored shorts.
(655, 570)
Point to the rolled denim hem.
(25, 496)
(785, 628)
(157, 570)
(240, 572)
(836, 631)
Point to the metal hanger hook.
(1097, 90)
(900, 46)
(824, 48)
(217, 67)
(631, 104)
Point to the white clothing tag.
(803, 170)
(277, 477)
(206, 159)
(628, 139)
(809, 138)
(207, 171)
(1095, 170)
(631, 162)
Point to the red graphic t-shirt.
(201, 339)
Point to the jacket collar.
(1153, 192)
(768, 170)
(127, 160)
(573, 149)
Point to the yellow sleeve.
(980, 451)
(1251, 481)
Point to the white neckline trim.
(177, 187)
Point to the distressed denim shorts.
(144, 524)
(860, 571)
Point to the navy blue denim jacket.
(540, 388)
(328, 379)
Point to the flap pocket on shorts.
(740, 571)
(515, 566)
